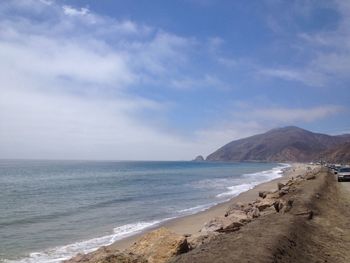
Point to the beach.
(304, 223)
(80, 206)
(189, 225)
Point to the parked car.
(343, 174)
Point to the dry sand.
(193, 223)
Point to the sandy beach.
(191, 224)
(296, 218)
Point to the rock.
(278, 205)
(290, 182)
(160, 245)
(311, 215)
(199, 239)
(229, 223)
(262, 194)
(284, 190)
(235, 208)
(199, 158)
(288, 206)
(265, 203)
(310, 177)
(253, 213)
(300, 176)
(214, 224)
(107, 255)
(280, 185)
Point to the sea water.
(52, 210)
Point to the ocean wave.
(255, 178)
(196, 209)
(237, 189)
(58, 254)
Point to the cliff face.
(283, 144)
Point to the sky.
(164, 79)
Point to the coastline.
(185, 224)
(191, 224)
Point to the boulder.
(160, 245)
(280, 185)
(278, 205)
(229, 223)
(235, 208)
(107, 255)
(265, 203)
(263, 194)
(284, 190)
(254, 212)
(310, 177)
(199, 158)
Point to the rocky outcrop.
(298, 227)
(199, 158)
(160, 245)
(107, 255)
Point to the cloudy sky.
(167, 80)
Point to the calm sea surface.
(52, 210)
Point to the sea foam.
(255, 179)
(58, 254)
(247, 182)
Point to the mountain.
(199, 158)
(283, 144)
(338, 154)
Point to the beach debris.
(160, 245)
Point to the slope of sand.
(293, 237)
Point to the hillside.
(339, 154)
(282, 144)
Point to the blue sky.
(167, 80)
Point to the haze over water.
(59, 208)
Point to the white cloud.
(65, 95)
(68, 10)
(293, 115)
(326, 52)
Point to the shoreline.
(191, 224)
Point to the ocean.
(52, 210)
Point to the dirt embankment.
(316, 229)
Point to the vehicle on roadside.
(343, 174)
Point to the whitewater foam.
(58, 254)
(258, 178)
(236, 187)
